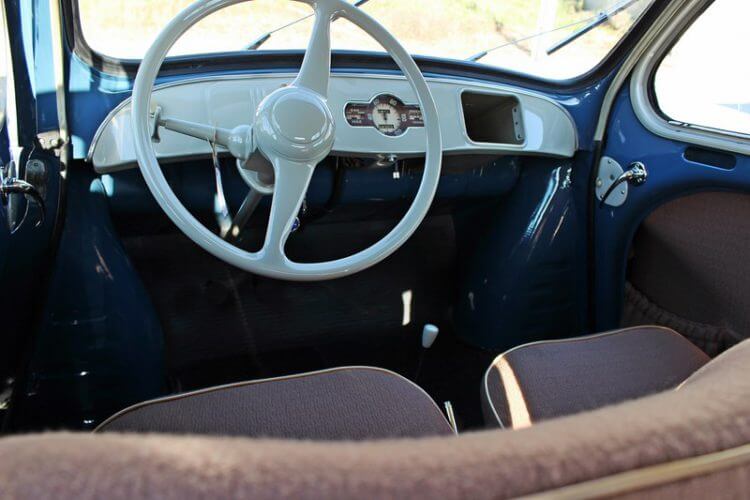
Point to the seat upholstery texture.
(708, 413)
(341, 403)
(548, 379)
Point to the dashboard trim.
(461, 85)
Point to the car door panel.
(673, 173)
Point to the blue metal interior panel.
(528, 277)
(100, 346)
(524, 278)
(670, 176)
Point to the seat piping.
(182, 395)
(559, 341)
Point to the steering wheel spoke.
(290, 189)
(316, 66)
(293, 127)
(239, 140)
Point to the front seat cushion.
(338, 404)
(554, 378)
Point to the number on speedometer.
(387, 113)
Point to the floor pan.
(223, 325)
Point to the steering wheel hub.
(295, 123)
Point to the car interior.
(374, 264)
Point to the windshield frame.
(348, 60)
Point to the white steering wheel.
(294, 129)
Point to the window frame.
(352, 60)
(7, 99)
(643, 92)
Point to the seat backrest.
(708, 417)
(555, 378)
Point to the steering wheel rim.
(293, 158)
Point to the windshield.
(515, 34)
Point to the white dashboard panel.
(228, 101)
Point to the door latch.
(612, 183)
(13, 185)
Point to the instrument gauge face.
(386, 113)
(386, 118)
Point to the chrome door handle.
(635, 175)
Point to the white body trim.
(632, 60)
(647, 113)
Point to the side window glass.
(705, 78)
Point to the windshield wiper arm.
(255, 44)
(516, 41)
(600, 19)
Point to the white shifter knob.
(429, 334)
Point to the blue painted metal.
(492, 178)
(98, 92)
(670, 176)
(193, 183)
(22, 60)
(524, 279)
(24, 263)
(4, 240)
(99, 347)
(31, 50)
(4, 145)
(25, 250)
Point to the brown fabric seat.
(708, 417)
(554, 378)
(351, 403)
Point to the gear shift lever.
(429, 334)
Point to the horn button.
(296, 124)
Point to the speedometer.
(386, 113)
(386, 117)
